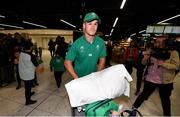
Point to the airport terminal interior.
(54, 102)
(127, 28)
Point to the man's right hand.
(75, 77)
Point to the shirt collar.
(89, 42)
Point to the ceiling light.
(12, 26)
(142, 31)
(115, 22)
(2, 16)
(133, 34)
(166, 23)
(146, 35)
(122, 4)
(168, 19)
(129, 39)
(68, 23)
(111, 31)
(34, 24)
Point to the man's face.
(90, 28)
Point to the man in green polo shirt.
(88, 52)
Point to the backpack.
(101, 108)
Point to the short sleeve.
(71, 54)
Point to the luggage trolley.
(96, 102)
(104, 108)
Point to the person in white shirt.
(27, 68)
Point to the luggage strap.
(131, 113)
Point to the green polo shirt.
(86, 55)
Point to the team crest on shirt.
(90, 54)
(97, 47)
(82, 49)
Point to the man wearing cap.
(87, 50)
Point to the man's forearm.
(101, 64)
(69, 67)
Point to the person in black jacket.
(63, 46)
(51, 48)
(35, 62)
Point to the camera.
(160, 53)
(164, 53)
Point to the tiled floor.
(53, 102)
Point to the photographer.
(162, 63)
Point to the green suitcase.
(101, 108)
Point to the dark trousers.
(129, 66)
(28, 85)
(1, 76)
(35, 79)
(139, 75)
(18, 79)
(40, 55)
(57, 75)
(6, 74)
(52, 52)
(164, 92)
(17, 76)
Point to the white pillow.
(109, 83)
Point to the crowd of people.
(12, 48)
